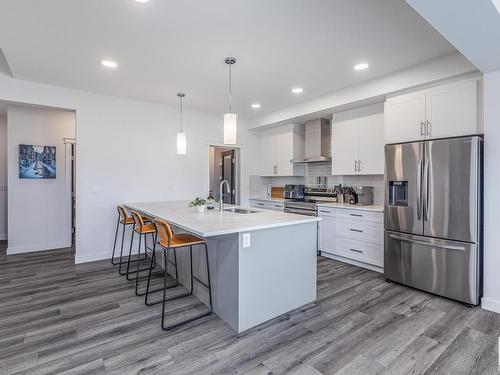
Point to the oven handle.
(300, 212)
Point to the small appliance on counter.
(293, 192)
(364, 195)
(358, 195)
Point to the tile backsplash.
(259, 185)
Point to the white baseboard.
(490, 304)
(353, 262)
(40, 247)
(90, 257)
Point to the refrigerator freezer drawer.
(447, 268)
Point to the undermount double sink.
(236, 210)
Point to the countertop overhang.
(214, 222)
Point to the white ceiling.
(474, 28)
(168, 46)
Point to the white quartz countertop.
(214, 222)
(374, 208)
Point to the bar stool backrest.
(122, 212)
(164, 231)
(138, 221)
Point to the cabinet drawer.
(361, 251)
(361, 230)
(326, 211)
(359, 215)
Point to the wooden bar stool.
(142, 228)
(167, 240)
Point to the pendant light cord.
(230, 90)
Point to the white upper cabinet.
(405, 117)
(358, 141)
(443, 111)
(451, 110)
(280, 146)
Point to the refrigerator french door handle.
(447, 247)
(426, 193)
(419, 189)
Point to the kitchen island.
(262, 264)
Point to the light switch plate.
(246, 240)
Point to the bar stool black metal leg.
(149, 275)
(121, 248)
(130, 254)
(138, 270)
(191, 267)
(114, 245)
(208, 286)
(208, 276)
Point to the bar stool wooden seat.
(167, 240)
(142, 227)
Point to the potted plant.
(199, 203)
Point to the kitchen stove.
(312, 196)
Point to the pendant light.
(230, 118)
(181, 136)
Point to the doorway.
(224, 165)
(38, 177)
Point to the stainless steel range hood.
(317, 142)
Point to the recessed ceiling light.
(142, 1)
(256, 105)
(361, 66)
(109, 64)
(297, 90)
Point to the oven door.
(300, 207)
(300, 211)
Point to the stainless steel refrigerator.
(433, 216)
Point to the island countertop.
(214, 222)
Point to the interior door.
(403, 203)
(228, 175)
(451, 191)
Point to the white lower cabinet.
(326, 230)
(352, 236)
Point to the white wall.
(447, 67)
(3, 177)
(125, 151)
(491, 299)
(39, 214)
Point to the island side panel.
(277, 273)
(223, 260)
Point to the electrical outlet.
(246, 240)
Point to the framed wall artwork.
(36, 162)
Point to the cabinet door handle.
(277, 205)
(357, 215)
(428, 127)
(325, 212)
(260, 204)
(356, 230)
(359, 165)
(357, 251)
(355, 165)
(422, 124)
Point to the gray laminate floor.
(58, 318)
